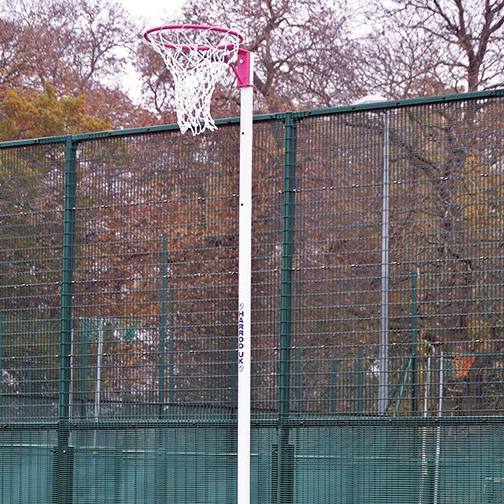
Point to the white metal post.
(99, 357)
(244, 290)
(438, 431)
(424, 431)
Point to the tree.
(73, 45)
(422, 47)
(118, 108)
(29, 114)
(15, 58)
(401, 64)
(78, 48)
(304, 52)
(419, 48)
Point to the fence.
(378, 291)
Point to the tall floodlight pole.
(198, 56)
(383, 359)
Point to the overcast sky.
(153, 12)
(149, 13)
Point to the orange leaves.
(28, 114)
(463, 364)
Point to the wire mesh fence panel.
(267, 250)
(26, 468)
(386, 463)
(32, 189)
(337, 273)
(445, 256)
(155, 465)
(377, 287)
(156, 275)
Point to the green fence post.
(284, 488)
(84, 369)
(63, 455)
(29, 389)
(402, 385)
(162, 328)
(160, 463)
(360, 380)
(414, 342)
(299, 381)
(334, 382)
(171, 397)
(1, 368)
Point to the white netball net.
(197, 59)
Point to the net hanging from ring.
(197, 59)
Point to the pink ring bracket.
(243, 68)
